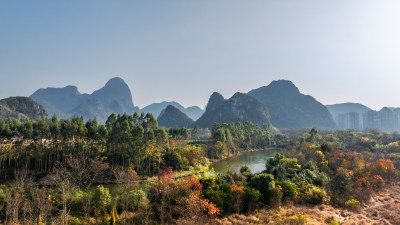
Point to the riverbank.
(239, 153)
(255, 159)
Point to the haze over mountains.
(114, 97)
(194, 112)
(348, 107)
(355, 116)
(280, 104)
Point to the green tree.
(196, 133)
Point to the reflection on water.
(255, 160)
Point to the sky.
(337, 51)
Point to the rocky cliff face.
(22, 108)
(239, 108)
(171, 117)
(291, 109)
(114, 97)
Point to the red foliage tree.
(194, 206)
(377, 181)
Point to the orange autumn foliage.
(194, 206)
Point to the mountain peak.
(115, 82)
(216, 97)
(291, 109)
(71, 88)
(214, 101)
(285, 85)
(173, 117)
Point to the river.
(254, 159)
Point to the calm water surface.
(255, 160)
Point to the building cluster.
(387, 120)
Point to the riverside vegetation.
(130, 171)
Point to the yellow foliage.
(394, 144)
(319, 156)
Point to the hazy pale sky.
(337, 51)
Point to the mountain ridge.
(194, 112)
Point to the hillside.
(239, 108)
(291, 109)
(382, 208)
(172, 117)
(22, 108)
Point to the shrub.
(172, 158)
(80, 200)
(333, 222)
(252, 199)
(352, 204)
(101, 198)
(377, 181)
(341, 184)
(222, 197)
(238, 178)
(263, 182)
(299, 219)
(75, 221)
(289, 189)
(245, 171)
(137, 197)
(321, 180)
(224, 179)
(275, 197)
(316, 195)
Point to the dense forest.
(130, 171)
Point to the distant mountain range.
(291, 109)
(114, 97)
(279, 104)
(355, 116)
(239, 108)
(194, 112)
(22, 108)
(173, 117)
(348, 107)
